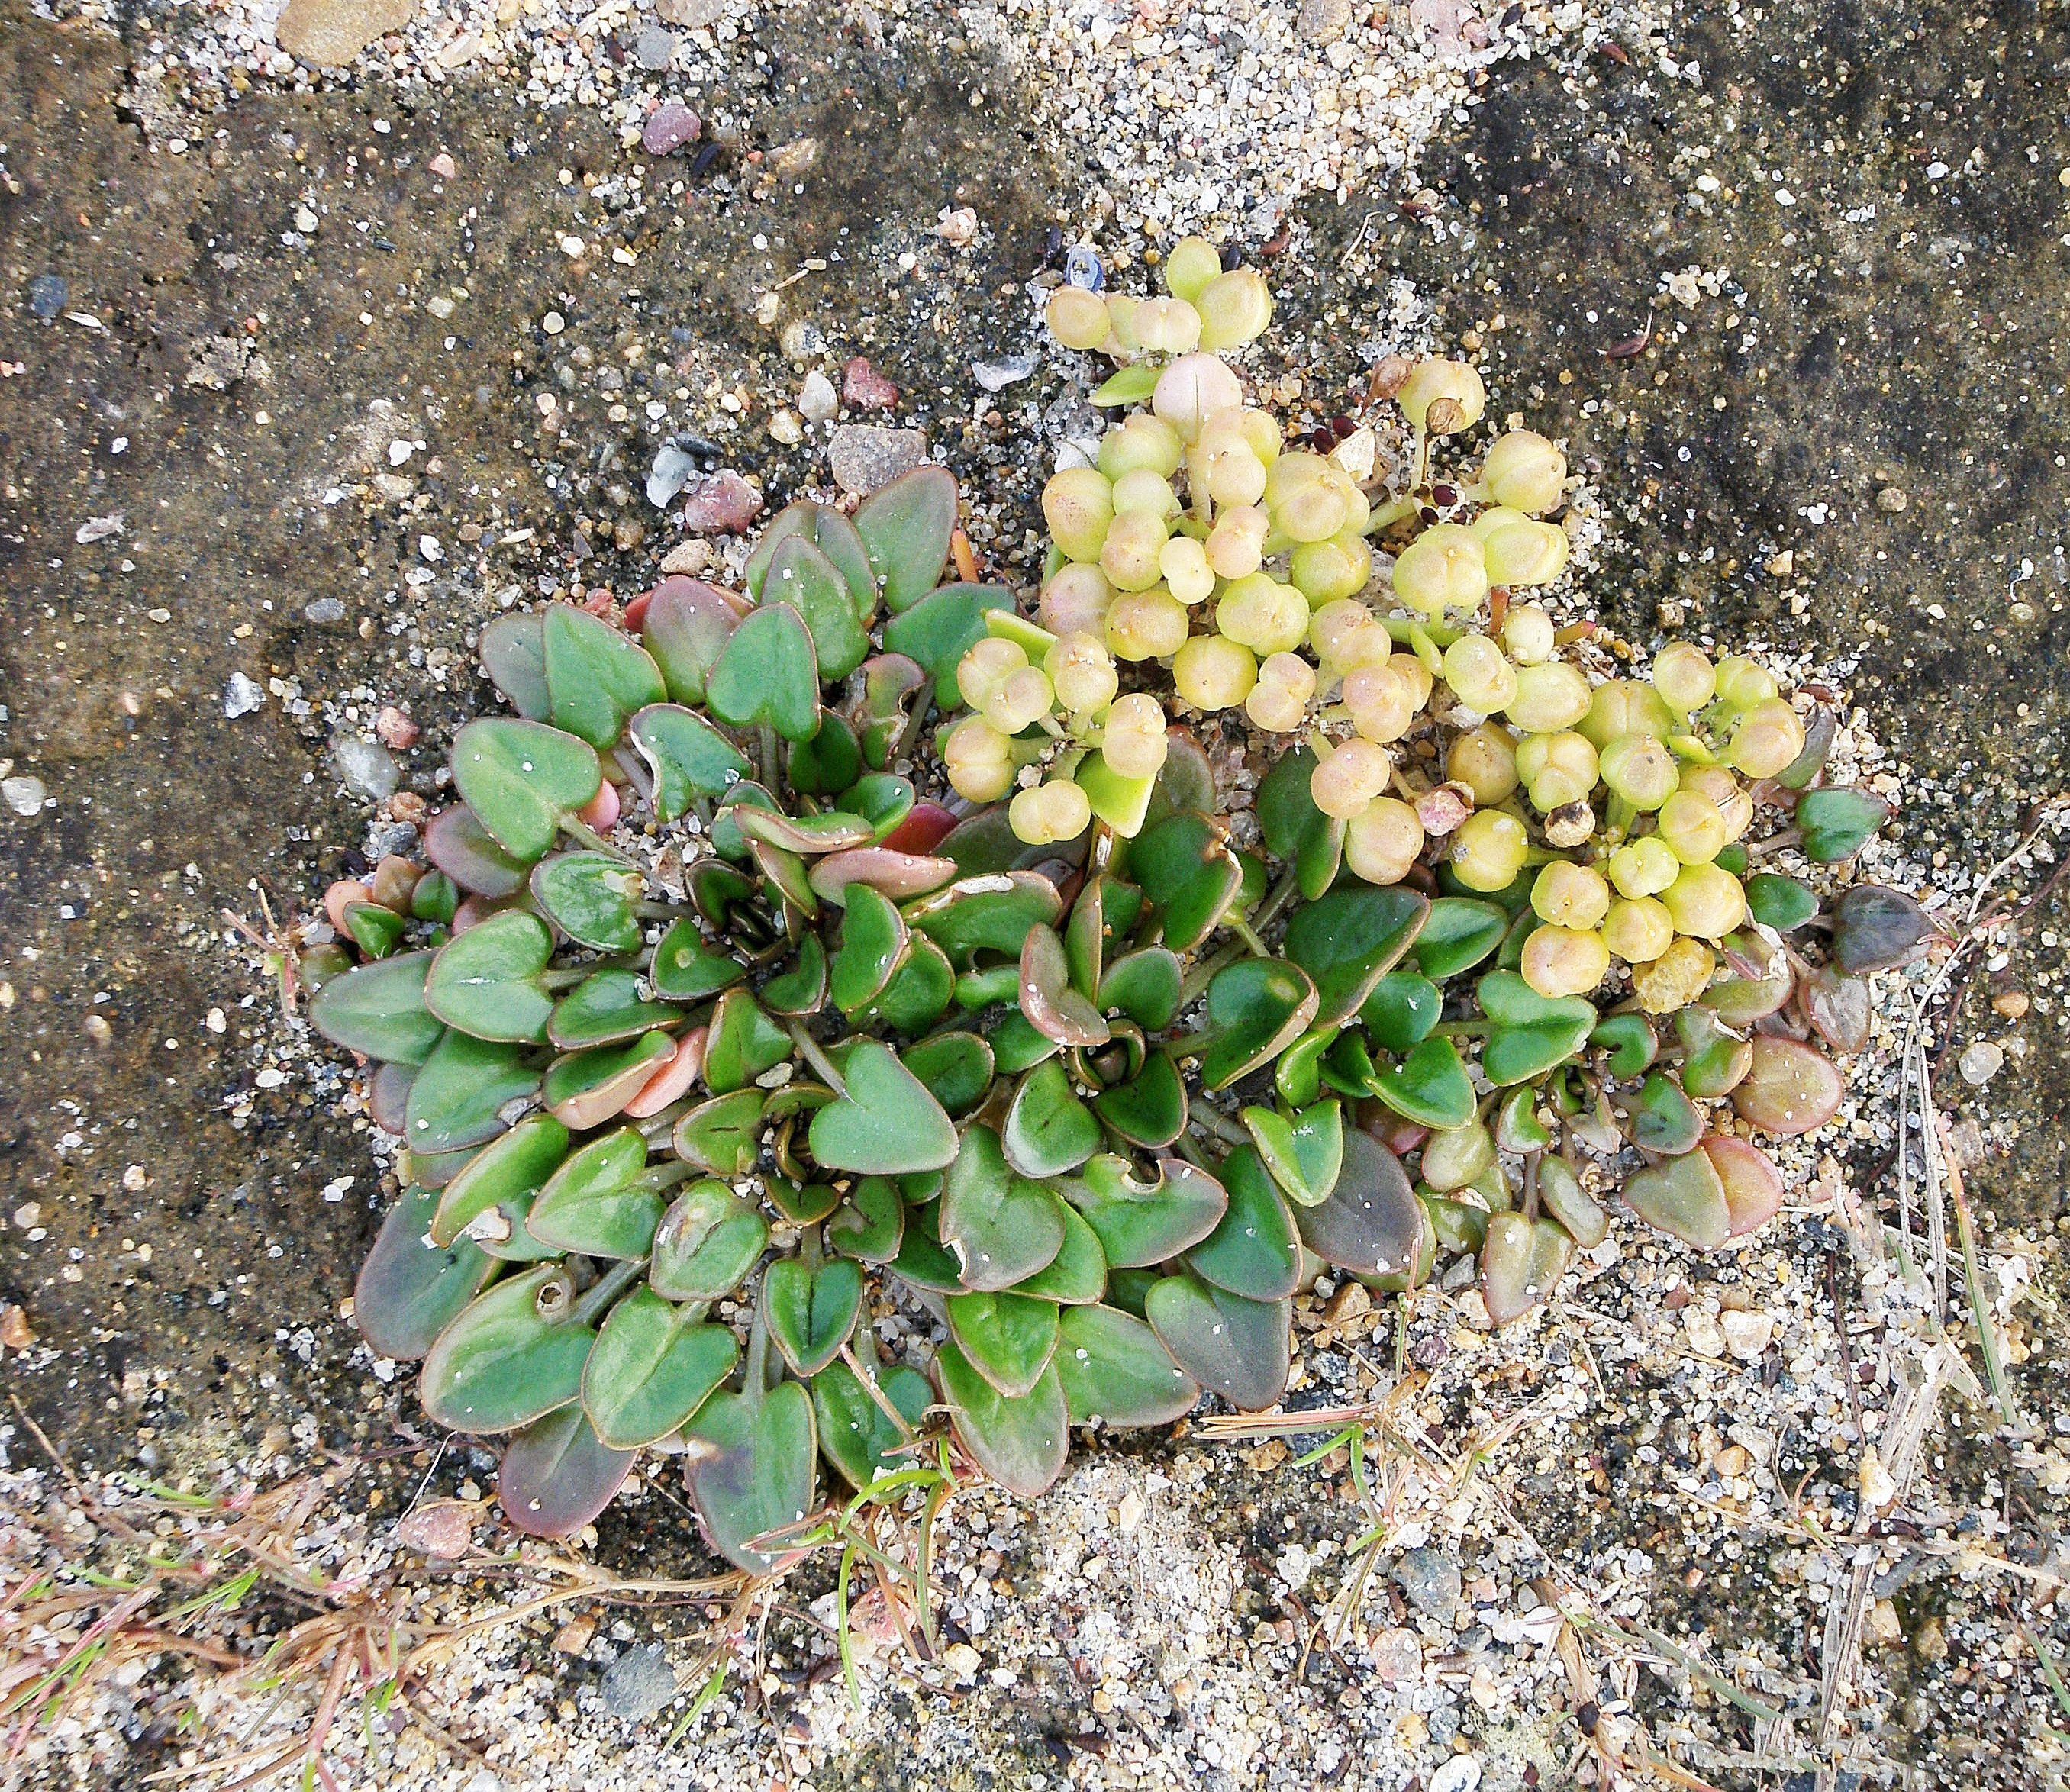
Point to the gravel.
(639, 1683)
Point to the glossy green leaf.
(1150, 1110)
(800, 990)
(1021, 1443)
(1121, 802)
(890, 683)
(597, 676)
(590, 897)
(901, 876)
(690, 760)
(956, 1069)
(826, 528)
(1077, 1275)
(1531, 1033)
(601, 1201)
(508, 1358)
(1235, 1348)
(461, 1091)
(556, 1474)
(410, 1290)
(521, 779)
(1295, 829)
(653, 1365)
(1752, 1185)
(1304, 1152)
(1780, 902)
(489, 981)
(685, 625)
(856, 1435)
(685, 969)
(513, 654)
(934, 632)
(1714, 1058)
(769, 672)
(1347, 940)
(504, 1175)
(707, 1243)
(1521, 1264)
(1256, 1008)
(799, 574)
(885, 1123)
(374, 930)
(742, 1043)
(1188, 874)
(1561, 1195)
(1129, 385)
(1684, 1198)
(925, 1262)
(1254, 1250)
(1141, 1223)
(752, 1467)
(1630, 1042)
(992, 913)
(378, 1010)
(1008, 1338)
(1663, 1120)
(1789, 1088)
(810, 1310)
(1016, 1046)
(460, 847)
(1115, 1372)
(906, 529)
(1047, 1130)
(605, 1008)
(872, 946)
(723, 1136)
(1144, 986)
(870, 1220)
(918, 993)
(1001, 1227)
(827, 763)
(1297, 1073)
(1837, 821)
(584, 1089)
(1370, 1223)
(1055, 1007)
(1429, 1086)
(1458, 933)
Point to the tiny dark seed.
(1530, 1768)
(1588, 1716)
(1427, 514)
(1446, 496)
(1512, 18)
(1053, 246)
(1232, 258)
(1322, 441)
(1344, 428)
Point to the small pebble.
(1981, 1060)
(241, 695)
(15, 1331)
(1461, 1773)
(1747, 1334)
(996, 376)
(25, 795)
(962, 1662)
(689, 557)
(443, 166)
(1398, 1657)
(669, 127)
(1430, 1579)
(723, 502)
(669, 473)
(439, 1529)
(364, 768)
(958, 228)
(639, 1683)
(866, 456)
(48, 294)
(1707, 1337)
(818, 402)
(654, 49)
(395, 729)
(324, 609)
(863, 386)
(786, 428)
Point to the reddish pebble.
(341, 896)
(864, 387)
(601, 811)
(673, 1081)
(721, 502)
(441, 1528)
(670, 126)
(442, 166)
(395, 729)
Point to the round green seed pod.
(1564, 895)
(1484, 760)
(1078, 505)
(1640, 769)
(1643, 867)
(1624, 706)
(1212, 672)
(1144, 489)
(1550, 698)
(1684, 677)
(1706, 902)
(1442, 568)
(1139, 441)
(1166, 327)
(1192, 264)
(1075, 600)
(1524, 471)
(1488, 850)
(1077, 318)
(1307, 504)
(1191, 390)
(1129, 555)
(1743, 682)
(1324, 571)
(1234, 308)
(1556, 769)
(1479, 676)
(1383, 841)
(1638, 929)
(1146, 625)
(1693, 828)
(1765, 739)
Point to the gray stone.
(25, 795)
(328, 34)
(818, 402)
(669, 473)
(1322, 20)
(364, 768)
(654, 48)
(1430, 1579)
(867, 456)
(48, 294)
(323, 609)
(242, 695)
(639, 1683)
(692, 14)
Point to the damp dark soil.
(1841, 434)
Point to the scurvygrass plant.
(714, 1023)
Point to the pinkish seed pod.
(1444, 808)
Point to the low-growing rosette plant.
(715, 1023)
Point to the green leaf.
(1141, 1223)
(1429, 1086)
(1121, 803)
(742, 1043)
(503, 1362)
(460, 1093)
(684, 626)
(409, 1289)
(830, 831)
(1022, 1443)
(1752, 1185)
(1256, 1008)
(687, 970)
(1232, 1347)
(605, 1009)
(707, 1243)
(1876, 929)
(1150, 1110)
(1129, 385)
(1521, 1264)
(513, 654)
(918, 991)
(1664, 1121)
(856, 1435)
(1016, 1046)
(801, 991)
(689, 758)
(827, 763)
(1560, 1194)
(801, 575)
(1297, 1073)
(1714, 1058)
(1630, 1042)
(504, 1175)
(1188, 874)
(590, 897)
(1001, 1227)
(769, 672)
(1295, 829)
(811, 1310)
(723, 1136)
(584, 1090)
(1086, 932)
(890, 682)
(1304, 1152)
(925, 1262)
(992, 913)
(490, 981)
(522, 778)
(601, 1201)
(1370, 1224)
(1788, 1088)
(1837, 821)
(934, 632)
(1400, 1010)
(378, 1010)
(752, 1469)
(873, 942)
(956, 1069)
(1780, 902)
(885, 1124)
(1144, 986)
(596, 676)
(1047, 1130)
(375, 930)
(1347, 940)
(1115, 1371)
(1077, 1275)
(1684, 1198)
(556, 1474)
(1458, 933)
(653, 1365)
(1008, 1338)
(870, 1220)
(459, 846)
(901, 876)
(906, 529)
(1054, 1007)
(1532, 1032)
(1254, 1251)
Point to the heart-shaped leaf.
(508, 1358)
(489, 982)
(1188, 875)
(742, 1043)
(379, 1011)
(591, 898)
(1837, 821)
(685, 969)
(1664, 1121)
(1144, 986)
(906, 529)
(1304, 1152)
(513, 654)
(1714, 1058)
(1788, 1088)
(686, 624)
(1047, 1130)
(830, 831)
(1400, 1010)
(924, 1261)
(707, 1243)
(1752, 1185)
(1254, 1251)
(1370, 1224)
(653, 1365)
(1630, 1042)
(1531, 1033)
(890, 682)
(884, 1122)
(1077, 1275)
(918, 991)
(596, 677)
(1054, 1007)
(460, 1092)
(827, 763)
(1429, 1086)
(752, 1467)
(799, 574)
(1458, 933)
(723, 1135)
(872, 946)
(1009, 1339)
(1297, 1073)
(556, 1474)
(503, 1177)
(1295, 829)
(605, 1009)
(584, 1090)
(801, 991)
(1684, 1198)
(936, 631)
(1741, 1001)
(1875, 929)
(1114, 1372)
(1232, 1347)
(1021, 1443)
(467, 852)
(689, 758)
(768, 671)
(1560, 1194)
(1141, 1223)
(870, 1220)
(835, 536)
(1521, 1264)
(856, 1435)
(811, 1310)
(956, 1067)
(1149, 1110)
(993, 913)
(1347, 940)
(1001, 1227)
(1780, 902)
(603, 1201)
(374, 930)
(901, 876)
(410, 1290)
(1256, 1008)
(522, 778)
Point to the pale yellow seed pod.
(1193, 262)
(1684, 677)
(1212, 672)
(1235, 309)
(985, 668)
(1144, 489)
(1706, 901)
(1166, 327)
(1642, 770)
(1488, 849)
(979, 760)
(1644, 867)
(1349, 777)
(1236, 476)
(1625, 706)
(1524, 471)
(1192, 389)
(1382, 699)
(1766, 738)
(1236, 544)
(1262, 614)
(1278, 701)
(1555, 769)
(1139, 442)
(1484, 760)
(1743, 682)
(1443, 568)
(1693, 828)
(1732, 802)
(1130, 554)
(1638, 929)
(1384, 841)
(1056, 811)
(1344, 634)
(1019, 700)
(1550, 698)
(1081, 673)
(1078, 505)
(1479, 676)
(1077, 318)
(1307, 503)
(1421, 679)
(1429, 380)
(1520, 551)
(1325, 572)
(1146, 625)
(1075, 601)
(1184, 561)
(1569, 895)
(1529, 637)
(1134, 741)
(1121, 342)
(1563, 961)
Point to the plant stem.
(1275, 904)
(767, 752)
(576, 829)
(1243, 930)
(1197, 979)
(1211, 1119)
(1385, 516)
(808, 1048)
(606, 1289)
